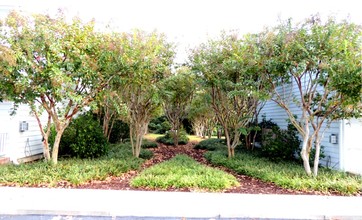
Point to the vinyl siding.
(273, 111)
(20, 144)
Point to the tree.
(177, 93)
(323, 61)
(53, 66)
(147, 60)
(201, 114)
(229, 68)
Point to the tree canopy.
(323, 61)
(53, 66)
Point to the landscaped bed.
(184, 172)
(117, 170)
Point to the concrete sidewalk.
(172, 205)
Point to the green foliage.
(83, 139)
(279, 144)
(234, 82)
(119, 132)
(61, 62)
(146, 59)
(286, 174)
(124, 150)
(184, 172)
(119, 160)
(159, 125)
(149, 144)
(168, 138)
(176, 93)
(211, 144)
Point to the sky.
(190, 22)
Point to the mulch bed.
(248, 185)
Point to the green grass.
(75, 171)
(152, 137)
(184, 172)
(287, 175)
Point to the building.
(20, 136)
(341, 142)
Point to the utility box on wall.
(23, 126)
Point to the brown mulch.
(248, 184)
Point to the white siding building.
(345, 153)
(20, 137)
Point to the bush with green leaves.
(279, 144)
(83, 138)
(148, 144)
(119, 132)
(159, 125)
(168, 138)
(211, 144)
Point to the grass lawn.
(287, 174)
(184, 172)
(152, 137)
(75, 171)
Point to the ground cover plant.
(74, 172)
(184, 172)
(287, 174)
(211, 144)
(168, 138)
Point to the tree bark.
(60, 130)
(305, 153)
(317, 154)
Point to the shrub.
(168, 138)
(82, 139)
(124, 150)
(119, 132)
(159, 125)
(280, 144)
(211, 144)
(148, 144)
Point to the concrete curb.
(171, 205)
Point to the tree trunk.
(60, 130)
(46, 150)
(227, 137)
(176, 137)
(131, 136)
(305, 154)
(317, 154)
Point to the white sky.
(189, 22)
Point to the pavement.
(45, 203)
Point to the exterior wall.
(351, 145)
(19, 144)
(273, 111)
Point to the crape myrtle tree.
(176, 93)
(229, 67)
(201, 114)
(324, 61)
(52, 65)
(109, 105)
(147, 60)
